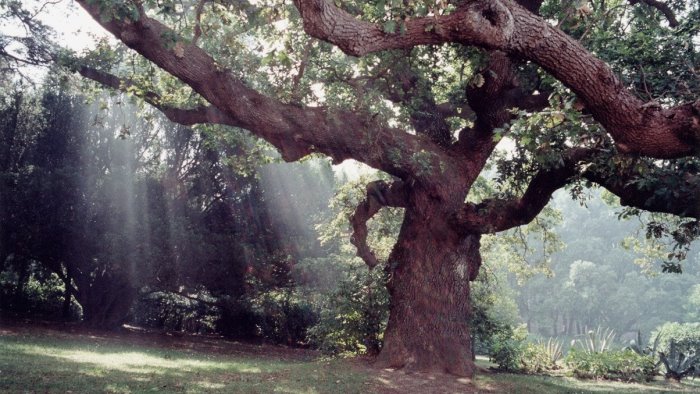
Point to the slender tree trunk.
(67, 296)
(430, 269)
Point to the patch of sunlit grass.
(139, 362)
(86, 365)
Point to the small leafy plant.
(507, 348)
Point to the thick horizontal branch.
(495, 215)
(681, 196)
(379, 195)
(324, 20)
(506, 26)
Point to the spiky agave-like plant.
(553, 347)
(597, 341)
(680, 364)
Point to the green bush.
(175, 312)
(38, 293)
(238, 320)
(511, 351)
(507, 348)
(353, 318)
(536, 358)
(596, 341)
(284, 320)
(624, 365)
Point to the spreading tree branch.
(506, 26)
(681, 196)
(379, 195)
(294, 130)
(681, 199)
(495, 215)
(662, 7)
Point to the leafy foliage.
(507, 349)
(625, 365)
(353, 318)
(553, 348)
(513, 352)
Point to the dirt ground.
(387, 381)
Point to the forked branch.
(495, 215)
(379, 195)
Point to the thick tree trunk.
(430, 269)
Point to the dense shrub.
(534, 359)
(512, 352)
(37, 293)
(353, 317)
(624, 365)
(538, 357)
(175, 312)
(272, 317)
(507, 348)
(238, 320)
(282, 320)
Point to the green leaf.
(389, 27)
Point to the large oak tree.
(435, 88)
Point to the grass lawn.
(60, 360)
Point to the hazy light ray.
(290, 197)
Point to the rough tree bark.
(430, 270)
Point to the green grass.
(80, 366)
(558, 384)
(515, 383)
(69, 363)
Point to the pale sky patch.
(75, 28)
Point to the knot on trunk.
(494, 19)
(469, 249)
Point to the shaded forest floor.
(49, 357)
